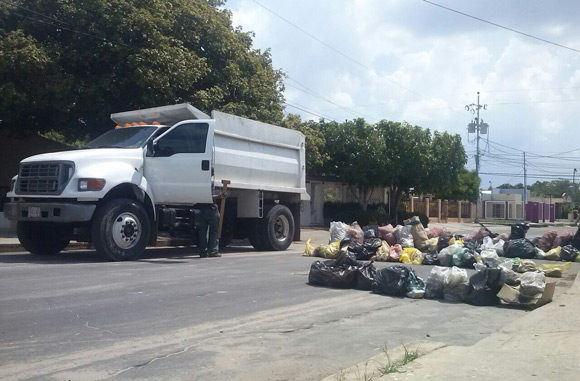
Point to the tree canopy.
(66, 65)
(397, 155)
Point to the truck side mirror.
(150, 148)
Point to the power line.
(501, 26)
(314, 94)
(534, 102)
(348, 57)
(533, 175)
(303, 108)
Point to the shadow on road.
(152, 255)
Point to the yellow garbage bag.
(309, 251)
(330, 251)
(454, 241)
(554, 254)
(383, 252)
(412, 255)
(555, 271)
(432, 244)
(527, 265)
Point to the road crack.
(87, 325)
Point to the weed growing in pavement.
(398, 366)
(366, 375)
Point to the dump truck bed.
(252, 155)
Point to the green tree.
(555, 188)
(316, 155)
(354, 149)
(66, 65)
(466, 187)
(414, 159)
(510, 186)
(405, 160)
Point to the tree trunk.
(397, 194)
(365, 192)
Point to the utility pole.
(477, 127)
(525, 187)
(572, 204)
(477, 141)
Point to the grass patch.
(399, 365)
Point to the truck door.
(179, 169)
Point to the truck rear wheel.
(276, 229)
(121, 230)
(42, 238)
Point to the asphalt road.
(172, 315)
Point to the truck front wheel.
(42, 238)
(276, 229)
(121, 230)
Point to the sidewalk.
(542, 345)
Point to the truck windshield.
(126, 137)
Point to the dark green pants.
(208, 231)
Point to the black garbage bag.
(535, 241)
(431, 259)
(337, 277)
(345, 258)
(372, 245)
(391, 281)
(359, 251)
(471, 244)
(519, 230)
(364, 277)
(576, 240)
(521, 248)
(345, 242)
(569, 253)
(483, 287)
(443, 242)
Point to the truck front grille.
(43, 178)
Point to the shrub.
(351, 211)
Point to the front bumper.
(49, 212)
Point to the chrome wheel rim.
(126, 230)
(281, 228)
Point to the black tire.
(255, 235)
(42, 238)
(121, 230)
(276, 229)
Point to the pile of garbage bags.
(411, 243)
(504, 263)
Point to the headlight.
(12, 184)
(91, 184)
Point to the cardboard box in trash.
(511, 295)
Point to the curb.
(369, 370)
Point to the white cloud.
(418, 63)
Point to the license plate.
(34, 211)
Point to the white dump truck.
(146, 175)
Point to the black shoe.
(203, 255)
(212, 255)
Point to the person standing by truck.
(208, 244)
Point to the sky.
(409, 60)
